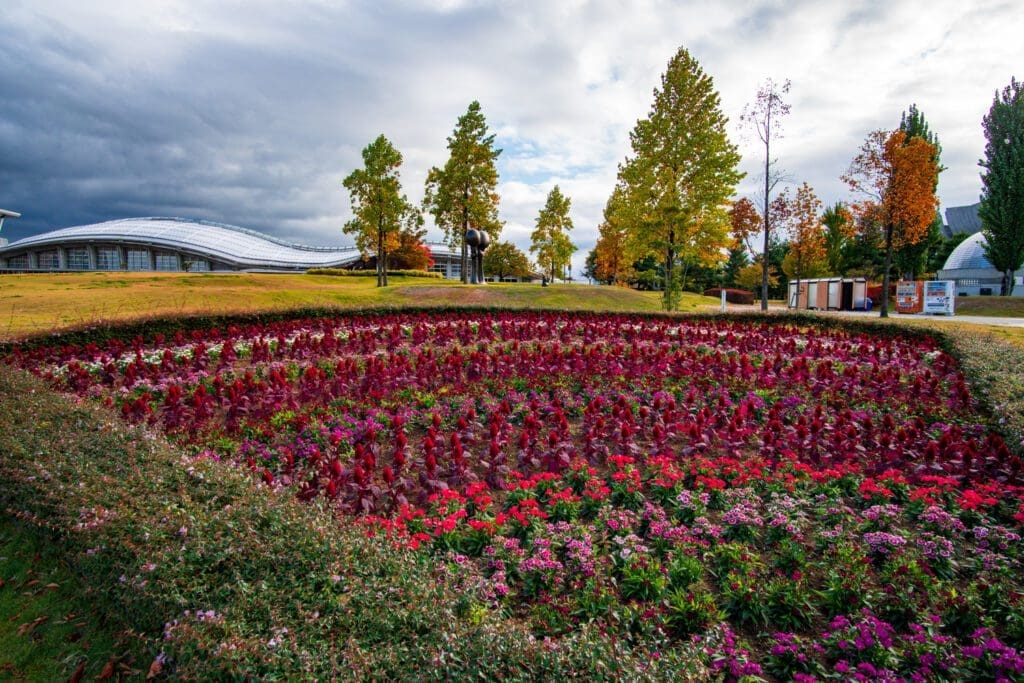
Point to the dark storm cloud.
(252, 112)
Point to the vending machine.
(939, 297)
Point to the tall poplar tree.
(682, 174)
(463, 194)
(550, 239)
(765, 116)
(1002, 183)
(380, 211)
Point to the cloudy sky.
(251, 112)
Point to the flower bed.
(797, 501)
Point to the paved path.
(975, 319)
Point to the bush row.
(733, 296)
(344, 272)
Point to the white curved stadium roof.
(969, 255)
(227, 243)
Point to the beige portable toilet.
(835, 292)
(812, 293)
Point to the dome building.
(973, 273)
(178, 244)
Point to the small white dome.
(969, 255)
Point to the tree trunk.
(462, 238)
(767, 188)
(385, 271)
(884, 311)
(670, 258)
(380, 258)
(1008, 282)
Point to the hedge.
(343, 272)
(733, 296)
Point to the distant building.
(973, 273)
(178, 244)
(962, 220)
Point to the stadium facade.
(178, 244)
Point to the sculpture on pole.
(478, 241)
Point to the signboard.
(939, 297)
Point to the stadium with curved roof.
(178, 244)
(973, 273)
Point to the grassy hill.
(43, 302)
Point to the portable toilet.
(822, 298)
(835, 291)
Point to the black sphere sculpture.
(478, 241)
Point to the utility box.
(909, 297)
(939, 297)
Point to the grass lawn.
(45, 302)
(52, 629)
(995, 306)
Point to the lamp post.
(4, 213)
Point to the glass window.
(138, 259)
(78, 259)
(108, 259)
(196, 265)
(18, 261)
(166, 261)
(48, 260)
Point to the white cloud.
(252, 112)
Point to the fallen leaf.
(27, 628)
(108, 670)
(53, 586)
(79, 673)
(154, 670)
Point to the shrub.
(344, 272)
(733, 296)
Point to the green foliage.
(682, 174)
(838, 233)
(380, 211)
(463, 194)
(738, 259)
(504, 259)
(1002, 199)
(550, 239)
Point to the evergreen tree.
(839, 230)
(463, 194)
(380, 212)
(550, 239)
(737, 261)
(1002, 191)
(682, 174)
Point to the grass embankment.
(235, 582)
(40, 303)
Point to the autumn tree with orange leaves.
(612, 263)
(745, 222)
(896, 180)
(801, 221)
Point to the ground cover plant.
(775, 500)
